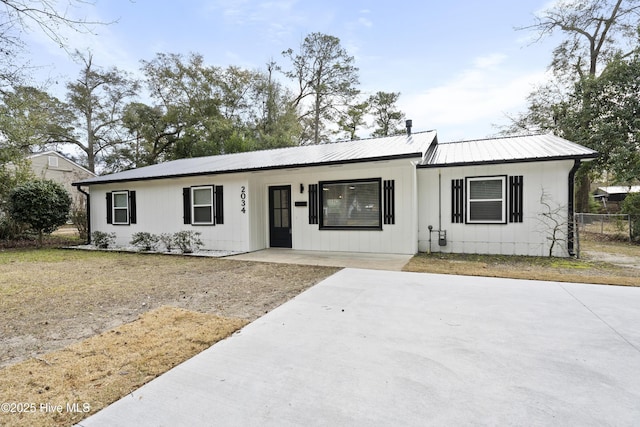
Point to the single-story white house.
(399, 194)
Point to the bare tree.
(554, 220)
(96, 102)
(594, 32)
(49, 17)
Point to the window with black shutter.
(203, 205)
(121, 207)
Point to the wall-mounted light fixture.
(301, 188)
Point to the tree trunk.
(583, 187)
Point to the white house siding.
(530, 237)
(400, 237)
(159, 210)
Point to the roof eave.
(585, 157)
(256, 169)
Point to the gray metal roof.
(505, 150)
(363, 150)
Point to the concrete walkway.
(381, 348)
(392, 262)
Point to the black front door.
(280, 216)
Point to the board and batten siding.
(529, 237)
(159, 209)
(400, 237)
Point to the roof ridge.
(307, 145)
(496, 138)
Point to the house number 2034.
(243, 199)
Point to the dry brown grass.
(589, 269)
(98, 371)
(51, 300)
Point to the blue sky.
(459, 65)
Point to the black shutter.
(219, 218)
(186, 205)
(515, 199)
(313, 203)
(109, 209)
(389, 201)
(132, 207)
(457, 201)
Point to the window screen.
(486, 200)
(202, 205)
(121, 207)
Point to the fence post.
(576, 228)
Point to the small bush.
(187, 241)
(79, 220)
(10, 229)
(631, 206)
(167, 240)
(102, 240)
(145, 241)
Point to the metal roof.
(618, 189)
(514, 149)
(363, 150)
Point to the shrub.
(79, 220)
(631, 206)
(187, 241)
(167, 240)
(145, 241)
(42, 204)
(102, 240)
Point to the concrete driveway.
(372, 348)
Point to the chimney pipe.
(409, 124)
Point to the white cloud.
(468, 104)
(489, 61)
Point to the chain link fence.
(602, 227)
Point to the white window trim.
(502, 200)
(114, 207)
(52, 161)
(194, 206)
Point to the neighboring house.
(374, 195)
(56, 167)
(611, 197)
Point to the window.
(202, 205)
(53, 161)
(486, 200)
(121, 207)
(351, 204)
